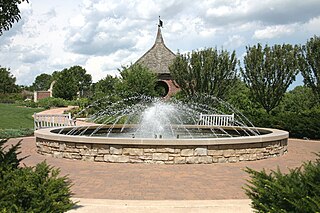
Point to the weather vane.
(160, 23)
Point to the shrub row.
(52, 102)
(298, 112)
(10, 98)
(15, 133)
(303, 124)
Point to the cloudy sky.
(103, 35)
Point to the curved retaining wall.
(162, 151)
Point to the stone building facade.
(158, 60)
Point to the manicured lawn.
(16, 117)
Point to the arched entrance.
(162, 88)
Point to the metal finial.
(160, 23)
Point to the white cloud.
(313, 25)
(100, 66)
(33, 55)
(270, 12)
(96, 66)
(274, 31)
(102, 35)
(228, 9)
(234, 41)
(77, 21)
(208, 32)
(147, 9)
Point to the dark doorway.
(162, 88)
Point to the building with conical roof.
(158, 60)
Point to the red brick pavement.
(166, 182)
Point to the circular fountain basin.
(270, 143)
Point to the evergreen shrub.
(31, 189)
(297, 191)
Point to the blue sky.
(103, 35)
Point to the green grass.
(16, 117)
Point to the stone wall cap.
(273, 135)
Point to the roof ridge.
(159, 38)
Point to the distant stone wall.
(38, 95)
(186, 154)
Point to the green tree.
(137, 79)
(71, 81)
(42, 82)
(82, 78)
(55, 75)
(310, 64)
(299, 113)
(239, 97)
(7, 81)
(206, 71)
(269, 71)
(9, 13)
(66, 86)
(106, 86)
(298, 100)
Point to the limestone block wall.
(186, 154)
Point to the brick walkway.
(166, 182)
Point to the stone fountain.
(155, 131)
